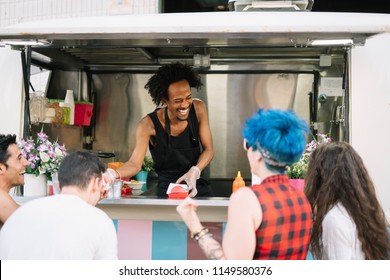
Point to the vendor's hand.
(187, 211)
(109, 176)
(190, 178)
(104, 193)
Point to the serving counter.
(162, 209)
(149, 228)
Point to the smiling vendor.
(177, 133)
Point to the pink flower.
(42, 136)
(42, 148)
(43, 155)
(298, 169)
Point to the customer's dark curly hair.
(158, 84)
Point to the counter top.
(162, 209)
(154, 200)
(213, 209)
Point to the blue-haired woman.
(271, 220)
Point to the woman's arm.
(244, 217)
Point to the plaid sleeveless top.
(285, 229)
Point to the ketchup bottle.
(238, 182)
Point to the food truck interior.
(253, 61)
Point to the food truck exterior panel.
(247, 60)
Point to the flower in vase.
(44, 155)
(298, 170)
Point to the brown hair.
(336, 174)
(5, 142)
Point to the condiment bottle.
(70, 100)
(66, 112)
(238, 182)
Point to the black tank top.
(173, 156)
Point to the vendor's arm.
(204, 135)
(207, 148)
(143, 133)
(239, 241)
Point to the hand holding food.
(190, 178)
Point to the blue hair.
(279, 132)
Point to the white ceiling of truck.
(227, 37)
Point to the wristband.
(200, 234)
(117, 172)
(198, 170)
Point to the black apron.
(173, 156)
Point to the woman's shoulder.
(244, 201)
(338, 216)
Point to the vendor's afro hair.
(158, 84)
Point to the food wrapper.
(177, 191)
(114, 165)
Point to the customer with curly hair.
(178, 134)
(349, 222)
(271, 220)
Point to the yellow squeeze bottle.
(238, 182)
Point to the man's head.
(80, 169)
(278, 135)
(166, 75)
(12, 163)
(5, 142)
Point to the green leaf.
(147, 164)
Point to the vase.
(298, 184)
(142, 176)
(35, 185)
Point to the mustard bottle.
(238, 182)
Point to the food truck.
(331, 68)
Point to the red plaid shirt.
(285, 229)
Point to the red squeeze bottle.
(238, 182)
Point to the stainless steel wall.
(121, 101)
(231, 98)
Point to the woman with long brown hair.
(349, 222)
